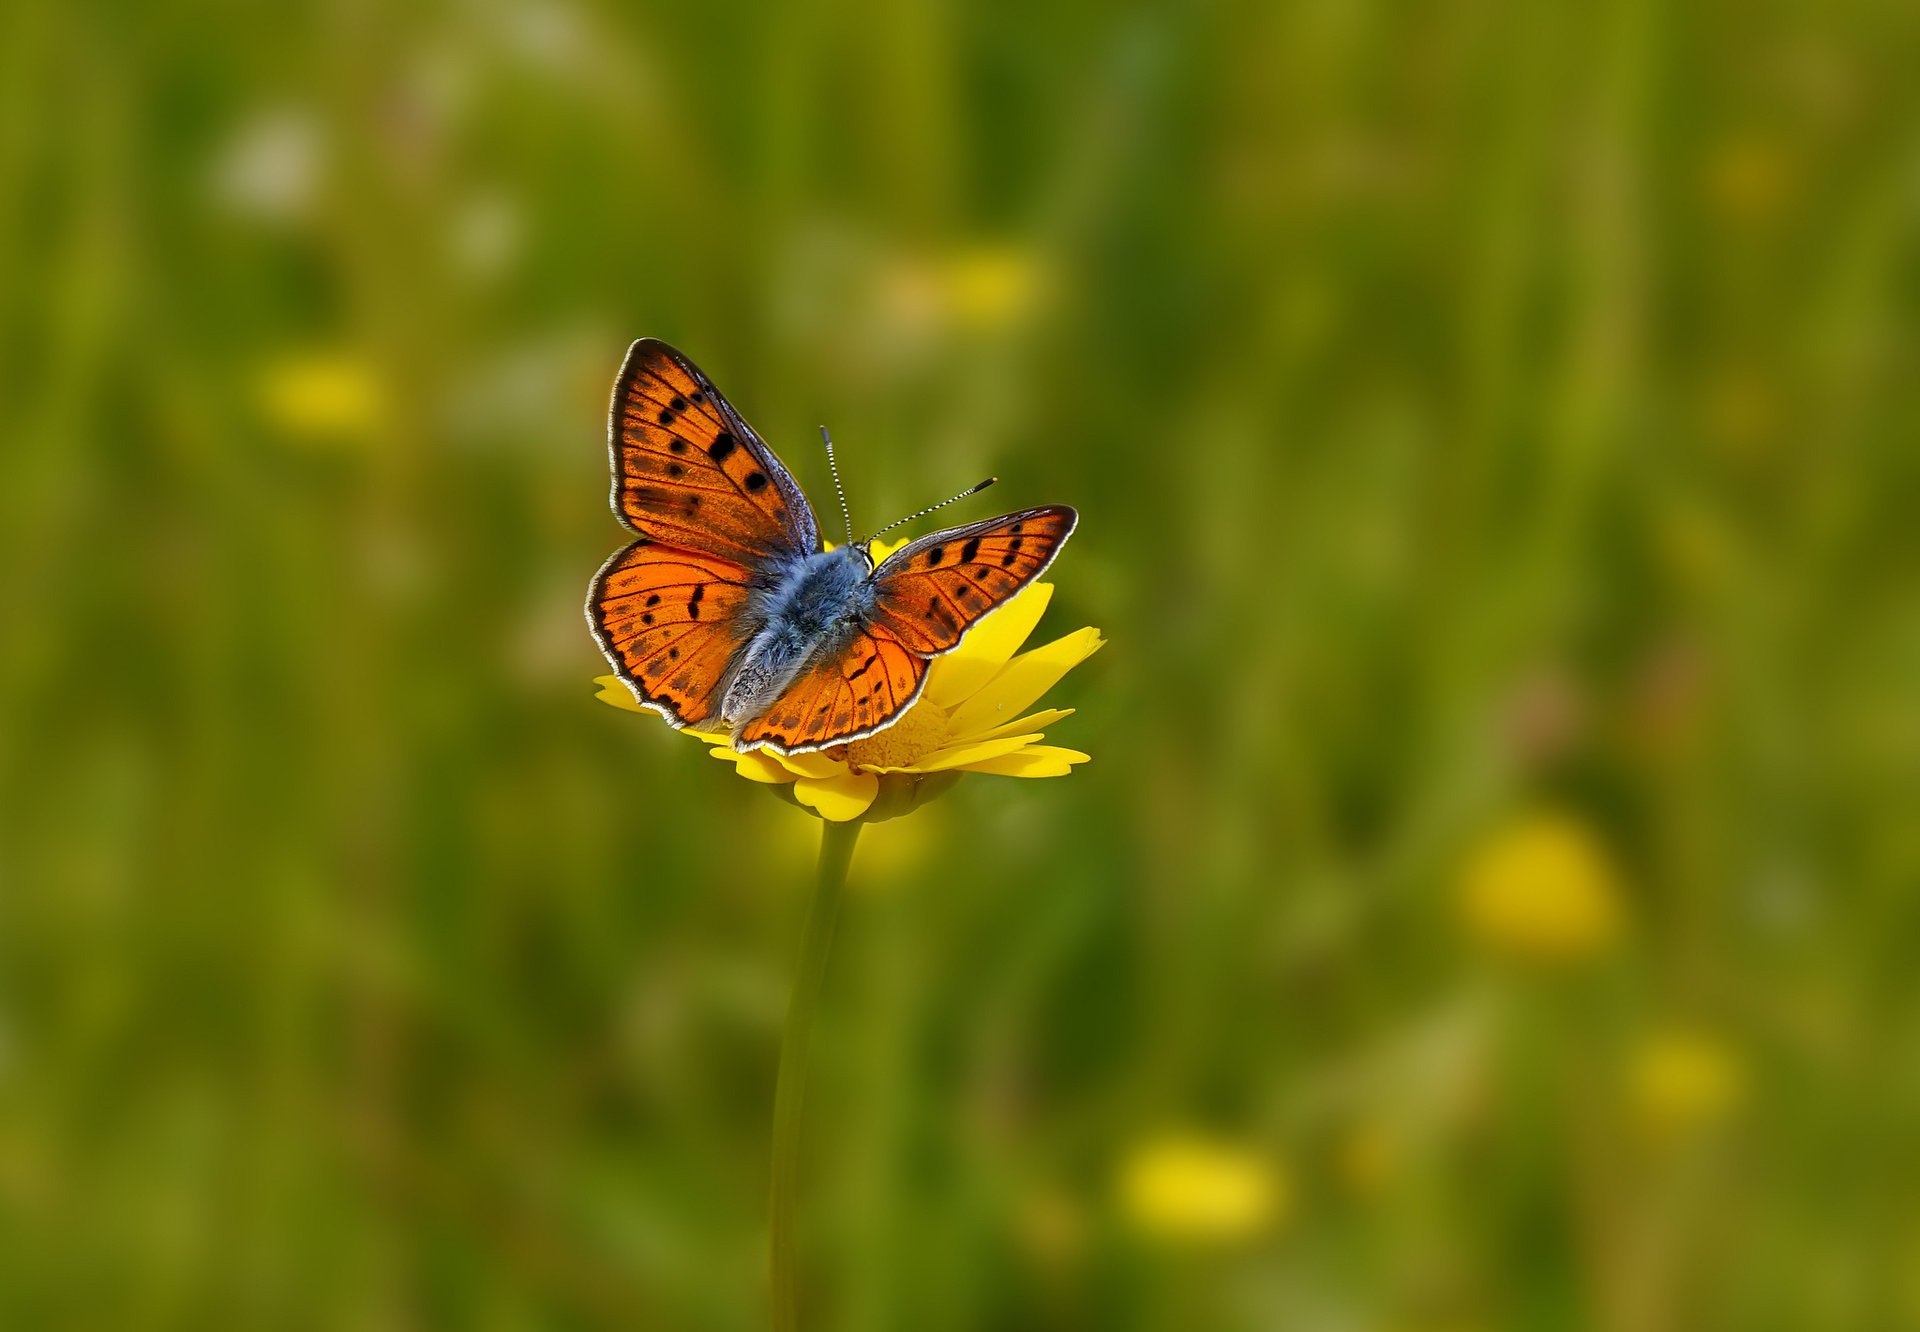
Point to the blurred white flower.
(271, 167)
(485, 234)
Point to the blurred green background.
(1490, 903)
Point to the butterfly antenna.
(970, 490)
(846, 515)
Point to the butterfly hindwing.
(688, 471)
(931, 591)
(722, 522)
(665, 618)
(844, 698)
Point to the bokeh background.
(1490, 904)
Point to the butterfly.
(728, 613)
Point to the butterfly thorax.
(798, 613)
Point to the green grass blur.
(1477, 411)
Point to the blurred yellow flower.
(322, 394)
(1186, 1188)
(990, 286)
(1541, 889)
(969, 719)
(976, 288)
(1680, 1081)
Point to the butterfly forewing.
(842, 698)
(665, 616)
(720, 517)
(689, 471)
(931, 591)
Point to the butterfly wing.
(863, 690)
(689, 472)
(664, 617)
(928, 594)
(931, 591)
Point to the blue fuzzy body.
(798, 612)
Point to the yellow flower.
(978, 288)
(971, 718)
(321, 395)
(1681, 1081)
(1186, 1188)
(991, 286)
(1542, 890)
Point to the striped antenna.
(846, 514)
(971, 490)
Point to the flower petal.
(1023, 680)
(811, 764)
(838, 799)
(614, 693)
(955, 756)
(1033, 721)
(987, 647)
(755, 767)
(1033, 761)
(710, 737)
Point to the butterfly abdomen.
(802, 613)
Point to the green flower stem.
(836, 854)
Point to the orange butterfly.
(727, 612)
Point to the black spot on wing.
(968, 551)
(722, 447)
(756, 481)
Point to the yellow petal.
(1033, 721)
(1023, 680)
(812, 764)
(614, 693)
(710, 737)
(956, 756)
(879, 550)
(755, 767)
(987, 647)
(1033, 761)
(838, 799)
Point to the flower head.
(321, 395)
(971, 718)
(1184, 1188)
(1542, 890)
(1681, 1081)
